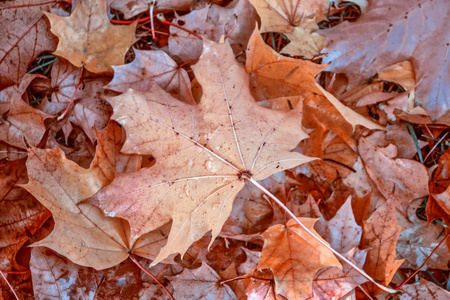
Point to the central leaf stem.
(290, 213)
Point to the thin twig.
(7, 282)
(290, 213)
(151, 275)
(434, 147)
(428, 258)
(73, 95)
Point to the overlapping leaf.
(393, 31)
(203, 153)
(87, 38)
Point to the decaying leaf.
(81, 231)
(273, 76)
(334, 283)
(24, 35)
(381, 233)
(294, 258)
(87, 38)
(401, 178)
(152, 66)
(201, 283)
(298, 20)
(18, 120)
(130, 8)
(235, 21)
(390, 32)
(423, 289)
(203, 153)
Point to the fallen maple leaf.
(418, 240)
(56, 277)
(334, 283)
(152, 66)
(381, 233)
(423, 289)
(90, 110)
(203, 153)
(391, 32)
(273, 76)
(201, 283)
(87, 38)
(297, 19)
(235, 21)
(404, 179)
(294, 258)
(23, 36)
(131, 8)
(18, 120)
(20, 213)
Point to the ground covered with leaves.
(246, 149)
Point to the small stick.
(73, 96)
(234, 26)
(151, 275)
(426, 260)
(163, 20)
(291, 214)
(7, 282)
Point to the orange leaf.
(294, 258)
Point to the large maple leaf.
(203, 153)
(393, 31)
(87, 38)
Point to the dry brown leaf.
(296, 18)
(23, 36)
(418, 239)
(20, 213)
(89, 239)
(201, 283)
(341, 231)
(391, 32)
(333, 283)
(131, 8)
(212, 22)
(380, 235)
(424, 289)
(204, 153)
(274, 76)
(294, 258)
(90, 110)
(401, 178)
(283, 16)
(152, 66)
(18, 120)
(351, 116)
(87, 38)
(56, 277)
(304, 40)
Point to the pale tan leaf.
(87, 38)
(283, 16)
(204, 153)
(81, 231)
(294, 258)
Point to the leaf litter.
(198, 189)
